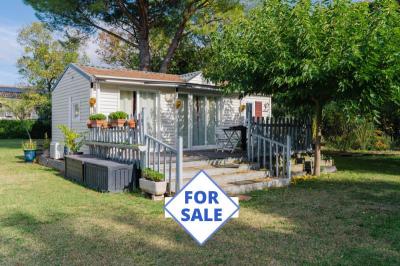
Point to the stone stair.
(236, 176)
(233, 177)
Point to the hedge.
(13, 129)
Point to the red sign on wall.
(258, 109)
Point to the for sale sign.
(201, 207)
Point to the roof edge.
(77, 69)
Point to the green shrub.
(381, 141)
(97, 117)
(14, 129)
(363, 132)
(118, 115)
(71, 138)
(152, 175)
(29, 145)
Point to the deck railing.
(277, 129)
(271, 154)
(162, 157)
(120, 144)
(268, 150)
(118, 135)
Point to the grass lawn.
(351, 217)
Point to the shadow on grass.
(315, 222)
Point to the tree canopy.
(44, 58)
(133, 23)
(312, 53)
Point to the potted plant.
(22, 109)
(97, 120)
(118, 118)
(72, 144)
(131, 123)
(153, 182)
(46, 145)
(29, 148)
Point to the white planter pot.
(151, 187)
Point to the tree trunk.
(26, 129)
(318, 135)
(144, 54)
(143, 36)
(172, 47)
(187, 14)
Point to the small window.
(76, 111)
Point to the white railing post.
(143, 126)
(288, 167)
(179, 165)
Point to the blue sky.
(14, 15)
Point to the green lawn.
(352, 217)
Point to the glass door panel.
(126, 102)
(147, 100)
(199, 120)
(211, 120)
(183, 120)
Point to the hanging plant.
(92, 101)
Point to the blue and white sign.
(201, 207)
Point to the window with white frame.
(76, 111)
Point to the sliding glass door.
(183, 119)
(204, 120)
(199, 121)
(211, 120)
(148, 101)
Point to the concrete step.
(214, 162)
(224, 178)
(245, 186)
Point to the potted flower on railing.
(131, 123)
(153, 182)
(29, 148)
(118, 119)
(97, 120)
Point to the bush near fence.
(14, 129)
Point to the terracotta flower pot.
(89, 124)
(97, 123)
(118, 122)
(132, 123)
(105, 124)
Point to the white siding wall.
(230, 115)
(109, 99)
(266, 101)
(73, 87)
(167, 117)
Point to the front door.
(126, 102)
(204, 120)
(148, 101)
(199, 121)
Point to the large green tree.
(132, 21)
(312, 53)
(44, 57)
